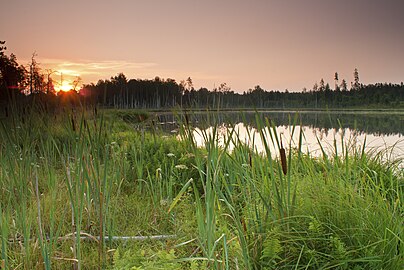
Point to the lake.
(380, 131)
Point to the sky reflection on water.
(390, 146)
(381, 132)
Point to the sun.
(65, 87)
(69, 80)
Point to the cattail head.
(242, 220)
(73, 123)
(186, 119)
(282, 153)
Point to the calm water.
(334, 130)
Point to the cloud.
(84, 67)
(92, 71)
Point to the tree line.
(21, 82)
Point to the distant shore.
(299, 110)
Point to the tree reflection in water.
(334, 130)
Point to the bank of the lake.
(103, 173)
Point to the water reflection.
(333, 141)
(336, 131)
(377, 123)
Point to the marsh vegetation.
(76, 182)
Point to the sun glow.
(69, 80)
(66, 86)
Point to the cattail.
(282, 153)
(250, 158)
(186, 119)
(242, 220)
(95, 111)
(73, 124)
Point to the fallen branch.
(87, 236)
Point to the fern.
(270, 252)
(338, 247)
(145, 259)
(315, 226)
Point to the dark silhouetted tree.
(36, 79)
(12, 75)
(336, 81)
(344, 86)
(356, 83)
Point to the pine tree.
(336, 81)
(344, 85)
(356, 84)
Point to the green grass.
(102, 174)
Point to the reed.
(278, 224)
(228, 205)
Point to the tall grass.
(72, 180)
(332, 212)
(30, 169)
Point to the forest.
(18, 82)
(158, 93)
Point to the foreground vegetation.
(75, 182)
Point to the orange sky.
(278, 44)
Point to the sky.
(277, 44)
